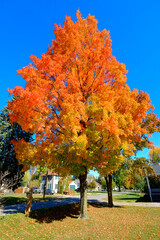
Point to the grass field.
(103, 223)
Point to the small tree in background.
(139, 183)
(92, 185)
(33, 183)
(103, 183)
(64, 184)
(61, 186)
(120, 177)
(26, 178)
(122, 155)
(155, 155)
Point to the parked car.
(36, 190)
(49, 191)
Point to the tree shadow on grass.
(145, 198)
(59, 213)
(9, 200)
(56, 213)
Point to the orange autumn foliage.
(77, 102)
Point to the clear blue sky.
(27, 28)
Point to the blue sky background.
(26, 27)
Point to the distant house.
(74, 184)
(52, 181)
(90, 179)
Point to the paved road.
(98, 198)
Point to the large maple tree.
(78, 104)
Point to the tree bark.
(28, 207)
(83, 195)
(108, 179)
(45, 184)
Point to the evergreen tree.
(10, 171)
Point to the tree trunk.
(28, 207)
(119, 188)
(108, 179)
(83, 195)
(45, 184)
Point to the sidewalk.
(138, 204)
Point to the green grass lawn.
(131, 197)
(103, 223)
(21, 198)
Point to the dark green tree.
(120, 176)
(103, 183)
(10, 171)
(139, 183)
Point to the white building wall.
(42, 183)
(52, 182)
(55, 183)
